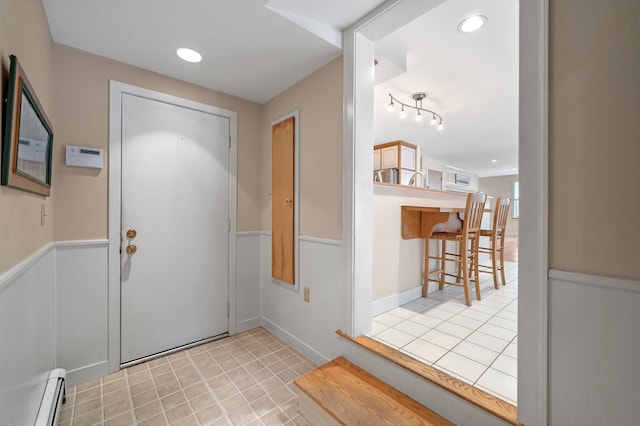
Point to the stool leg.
(504, 281)
(462, 249)
(442, 263)
(494, 260)
(476, 250)
(425, 281)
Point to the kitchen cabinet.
(399, 155)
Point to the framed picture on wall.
(462, 179)
(28, 140)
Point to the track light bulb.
(390, 107)
(433, 121)
(418, 117)
(440, 126)
(402, 113)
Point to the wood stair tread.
(353, 396)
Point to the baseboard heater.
(54, 397)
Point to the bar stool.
(465, 258)
(496, 241)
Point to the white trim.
(294, 342)
(16, 272)
(248, 324)
(265, 233)
(248, 233)
(116, 90)
(595, 281)
(325, 241)
(81, 244)
(395, 300)
(296, 195)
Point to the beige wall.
(24, 32)
(82, 102)
(594, 142)
(501, 186)
(319, 99)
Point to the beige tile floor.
(245, 379)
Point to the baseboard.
(248, 324)
(294, 342)
(395, 300)
(89, 372)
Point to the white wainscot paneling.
(308, 327)
(82, 309)
(594, 358)
(248, 281)
(27, 336)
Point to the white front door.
(175, 192)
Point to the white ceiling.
(255, 49)
(248, 50)
(471, 79)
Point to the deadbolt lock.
(131, 233)
(131, 249)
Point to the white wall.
(27, 336)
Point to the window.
(516, 199)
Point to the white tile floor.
(476, 344)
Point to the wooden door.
(175, 180)
(282, 201)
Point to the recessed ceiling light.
(189, 55)
(472, 23)
(494, 161)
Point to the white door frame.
(533, 171)
(116, 91)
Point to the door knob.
(131, 233)
(131, 249)
(287, 200)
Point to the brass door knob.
(131, 233)
(131, 249)
(287, 200)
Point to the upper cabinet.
(398, 155)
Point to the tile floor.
(245, 379)
(477, 344)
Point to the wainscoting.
(308, 327)
(248, 281)
(27, 336)
(594, 362)
(82, 294)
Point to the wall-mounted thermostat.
(80, 156)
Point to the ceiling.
(256, 49)
(471, 80)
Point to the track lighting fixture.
(436, 119)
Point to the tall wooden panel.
(282, 202)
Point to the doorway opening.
(532, 268)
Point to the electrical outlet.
(306, 294)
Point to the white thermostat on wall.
(81, 156)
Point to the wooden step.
(348, 395)
(487, 402)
